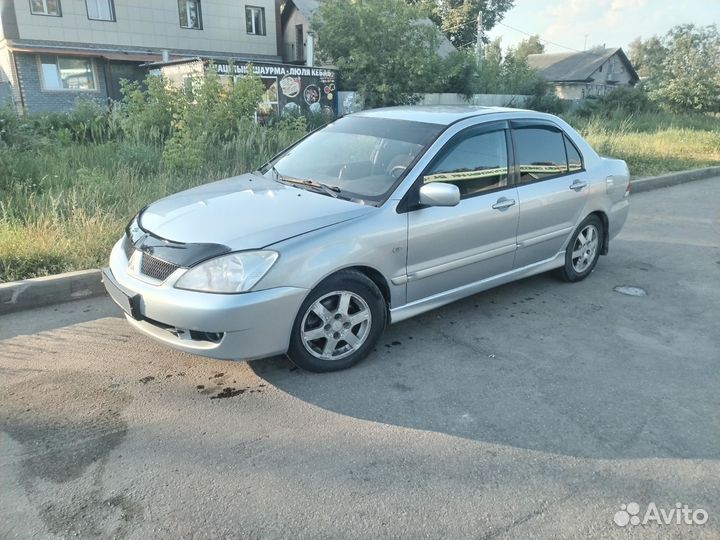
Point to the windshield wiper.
(333, 191)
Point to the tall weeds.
(70, 182)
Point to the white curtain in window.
(100, 9)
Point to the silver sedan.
(377, 217)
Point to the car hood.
(245, 212)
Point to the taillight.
(627, 189)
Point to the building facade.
(53, 52)
(578, 75)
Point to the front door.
(552, 190)
(449, 247)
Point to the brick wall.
(37, 100)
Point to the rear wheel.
(583, 250)
(338, 324)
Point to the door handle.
(503, 203)
(578, 185)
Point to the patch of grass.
(654, 143)
(62, 207)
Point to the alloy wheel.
(585, 248)
(336, 325)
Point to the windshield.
(359, 157)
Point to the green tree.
(458, 18)
(507, 73)
(688, 78)
(647, 56)
(526, 47)
(381, 47)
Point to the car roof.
(436, 114)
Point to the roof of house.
(576, 66)
(308, 8)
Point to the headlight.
(234, 273)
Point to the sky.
(573, 23)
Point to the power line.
(550, 42)
(466, 23)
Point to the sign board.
(290, 87)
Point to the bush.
(548, 103)
(208, 114)
(624, 101)
(9, 126)
(147, 109)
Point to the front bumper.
(226, 326)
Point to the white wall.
(487, 100)
(154, 24)
(349, 102)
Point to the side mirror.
(439, 194)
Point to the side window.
(540, 153)
(575, 162)
(474, 164)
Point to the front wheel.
(583, 250)
(338, 324)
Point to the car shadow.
(572, 369)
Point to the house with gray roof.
(577, 75)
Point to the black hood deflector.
(178, 253)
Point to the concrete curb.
(654, 182)
(45, 291)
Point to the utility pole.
(479, 41)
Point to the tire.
(583, 250)
(346, 306)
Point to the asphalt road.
(531, 411)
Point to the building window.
(65, 73)
(100, 10)
(255, 20)
(45, 7)
(190, 14)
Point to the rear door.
(456, 246)
(552, 186)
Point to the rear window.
(540, 153)
(575, 162)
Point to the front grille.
(155, 268)
(128, 247)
